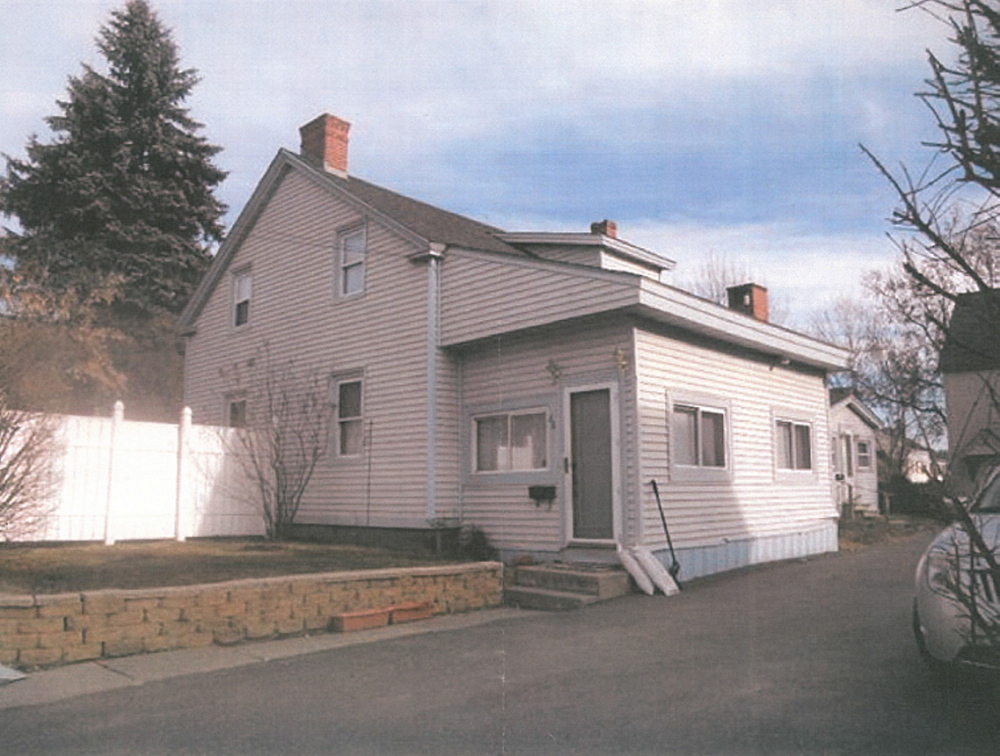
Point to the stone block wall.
(46, 630)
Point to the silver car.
(956, 613)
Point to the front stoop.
(561, 587)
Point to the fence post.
(117, 418)
(183, 433)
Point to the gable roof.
(422, 223)
(973, 341)
(846, 398)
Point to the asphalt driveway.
(807, 657)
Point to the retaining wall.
(47, 630)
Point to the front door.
(591, 465)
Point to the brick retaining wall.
(46, 630)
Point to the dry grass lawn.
(61, 568)
(861, 532)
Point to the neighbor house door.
(591, 465)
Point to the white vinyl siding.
(749, 503)
(514, 374)
(289, 248)
(483, 296)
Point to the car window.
(989, 500)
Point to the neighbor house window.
(794, 441)
(237, 413)
(511, 441)
(351, 254)
(350, 425)
(242, 290)
(699, 436)
(864, 455)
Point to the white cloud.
(808, 270)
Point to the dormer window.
(351, 253)
(242, 290)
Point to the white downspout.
(433, 328)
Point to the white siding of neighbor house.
(294, 311)
(483, 295)
(971, 413)
(759, 503)
(864, 488)
(513, 372)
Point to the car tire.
(943, 671)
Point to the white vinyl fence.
(125, 480)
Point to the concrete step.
(545, 599)
(601, 582)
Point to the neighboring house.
(970, 364)
(529, 384)
(853, 429)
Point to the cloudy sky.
(701, 126)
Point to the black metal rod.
(675, 566)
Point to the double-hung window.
(242, 291)
(698, 436)
(352, 249)
(350, 421)
(511, 441)
(864, 455)
(794, 445)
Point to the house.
(529, 384)
(970, 365)
(853, 428)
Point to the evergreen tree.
(126, 187)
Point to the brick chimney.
(605, 228)
(324, 142)
(750, 299)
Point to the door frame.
(614, 418)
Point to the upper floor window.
(864, 455)
(237, 413)
(699, 436)
(794, 445)
(350, 422)
(242, 291)
(352, 248)
(512, 441)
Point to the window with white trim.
(698, 436)
(242, 291)
(351, 253)
(794, 445)
(864, 455)
(350, 420)
(511, 441)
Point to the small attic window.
(352, 248)
(242, 291)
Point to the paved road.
(810, 657)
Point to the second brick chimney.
(750, 299)
(605, 228)
(324, 142)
